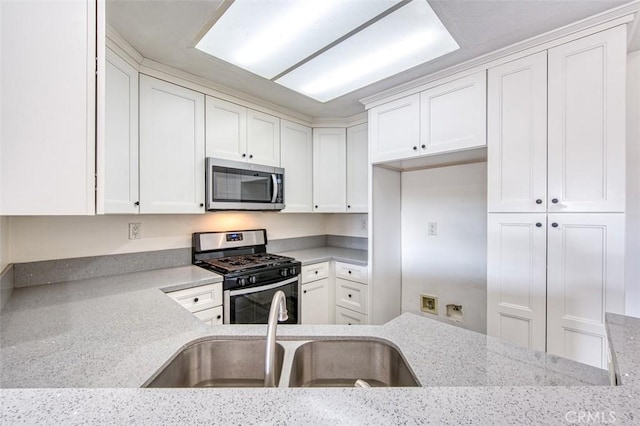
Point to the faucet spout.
(277, 312)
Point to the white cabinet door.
(329, 170)
(315, 302)
(586, 124)
(453, 116)
(118, 158)
(357, 169)
(296, 157)
(226, 130)
(394, 129)
(48, 107)
(349, 317)
(263, 138)
(585, 279)
(516, 278)
(517, 136)
(171, 148)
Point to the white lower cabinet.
(205, 302)
(351, 295)
(585, 279)
(315, 302)
(551, 279)
(349, 317)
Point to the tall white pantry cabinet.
(556, 170)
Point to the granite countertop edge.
(311, 256)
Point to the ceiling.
(166, 31)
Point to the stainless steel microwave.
(233, 185)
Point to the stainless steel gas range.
(251, 275)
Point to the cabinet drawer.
(199, 298)
(211, 316)
(351, 272)
(315, 272)
(349, 317)
(351, 295)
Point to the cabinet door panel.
(394, 129)
(517, 135)
(349, 317)
(357, 169)
(171, 148)
(315, 302)
(516, 278)
(586, 123)
(585, 280)
(226, 130)
(47, 107)
(296, 158)
(453, 116)
(263, 138)
(329, 170)
(118, 172)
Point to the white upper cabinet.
(171, 148)
(357, 169)
(517, 135)
(296, 157)
(394, 129)
(117, 190)
(240, 134)
(585, 279)
(453, 115)
(263, 138)
(586, 124)
(329, 170)
(226, 130)
(48, 107)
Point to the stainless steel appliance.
(251, 275)
(232, 185)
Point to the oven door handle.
(262, 287)
(274, 179)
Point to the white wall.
(633, 185)
(350, 225)
(5, 255)
(452, 264)
(58, 237)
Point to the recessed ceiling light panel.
(268, 37)
(408, 37)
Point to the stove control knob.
(284, 272)
(252, 279)
(292, 271)
(242, 282)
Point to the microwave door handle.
(274, 179)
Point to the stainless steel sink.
(218, 363)
(340, 363)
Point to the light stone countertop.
(324, 254)
(81, 349)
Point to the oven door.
(251, 305)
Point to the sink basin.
(217, 363)
(339, 363)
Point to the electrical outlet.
(454, 312)
(432, 228)
(135, 231)
(364, 226)
(429, 304)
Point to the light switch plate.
(429, 304)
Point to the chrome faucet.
(278, 312)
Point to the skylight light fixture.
(408, 37)
(327, 48)
(267, 37)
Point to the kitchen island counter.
(79, 351)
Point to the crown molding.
(617, 16)
(122, 48)
(351, 121)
